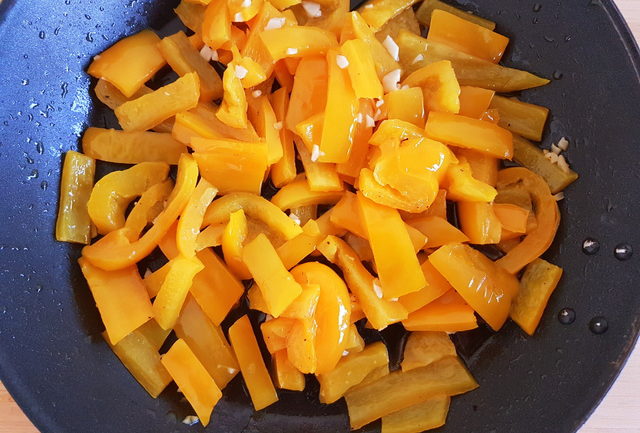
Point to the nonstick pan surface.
(54, 362)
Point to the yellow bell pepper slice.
(191, 14)
(483, 167)
(174, 290)
(439, 85)
(146, 210)
(297, 41)
(301, 346)
(402, 390)
(430, 414)
(215, 288)
(360, 144)
(285, 375)
(309, 92)
(462, 186)
(277, 285)
(142, 360)
(479, 222)
(380, 312)
(310, 131)
(438, 231)
(424, 348)
(284, 170)
(274, 331)
(216, 24)
(304, 306)
(405, 20)
(350, 371)
(428, 6)
(397, 264)
(131, 147)
(407, 105)
(153, 333)
(475, 101)
(321, 176)
(231, 165)
(527, 120)
(208, 343)
(191, 219)
(485, 286)
(377, 12)
(295, 250)
(513, 218)
(121, 298)
(241, 12)
(210, 237)
(115, 251)
(255, 374)
(383, 61)
(436, 287)
(233, 110)
(74, 223)
(263, 118)
(129, 63)
(304, 213)
(387, 196)
(233, 237)
(394, 131)
(192, 379)
(333, 312)
(204, 123)
(467, 37)
(362, 69)
(112, 194)
(255, 207)
(298, 193)
(448, 313)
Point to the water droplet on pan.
(623, 251)
(567, 316)
(598, 325)
(590, 246)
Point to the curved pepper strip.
(547, 213)
(149, 206)
(255, 207)
(234, 235)
(116, 251)
(191, 219)
(298, 193)
(233, 110)
(112, 194)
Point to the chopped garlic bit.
(342, 61)
(241, 71)
(275, 23)
(392, 47)
(295, 218)
(315, 153)
(377, 289)
(238, 17)
(191, 420)
(555, 149)
(559, 196)
(147, 273)
(394, 299)
(256, 93)
(292, 51)
(268, 317)
(312, 9)
(563, 164)
(417, 59)
(207, 53)
(379, 103)
(368, 6)
(563, 144)
(277, 126)
(359, 118)
(214, 55)
(245, 3)
(345, 353)
(391, 80)
(404, 87)
(370, 122)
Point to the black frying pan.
(52, 357)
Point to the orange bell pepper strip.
(254, 207)
(350, 371)
(207, 113)
(129, 63)
(285, 375)
(231, 165)
(310, 131)
(255, 374)
(355, 342)
(153, 280)
(285, 4)
(428, 415)
(538, 282)
(395, 131)
(332, 313)
(438, 208)
(361, 69)
(382, 59)
(189, 124)
(475, 101)
(397, 264)
(184, 58)
(462, 186)
(74, 223)
(152, 109)
(426, 347)
(445, 314)
(438, 231)
(215, 288)
(208, 343)
(263, 118)
(360, 145)
(407, 105)
(301, 345)
(121, 298)
(380, 312)
(284, 170)
(445, 377)
(274, 331)
(115, 251)
(233, 237)
(154, 334)
(168, 244)
(470, 133)
(387, 196)
(485, 286)
(192, 379)
(427, 7)
(297, 41)
(233, 110)
(436, 286)
(174, 290)
(304, 213)
(191, 218)
(547, 214)
(467, 37)
(149, 206)
(304, 306)
(309, 92)
(241, 12)
(440, 87)
(340, 113)
(133, 147)
(321, 176)
(112, 194)
(512, 217)
(298, 193)
(277, 285)
(250, 72)
(483, 167)
(295, 250)
(216, 24)
(378, 12)
(210, 237)
(138, 354)
(479, 222)
(361, 247)
(191, 14)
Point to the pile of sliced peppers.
(393, 130)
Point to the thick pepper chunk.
(285, 375)
(192, 216)
(424, 348)
(430, 414)
(74, 223)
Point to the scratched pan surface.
(67, 380)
